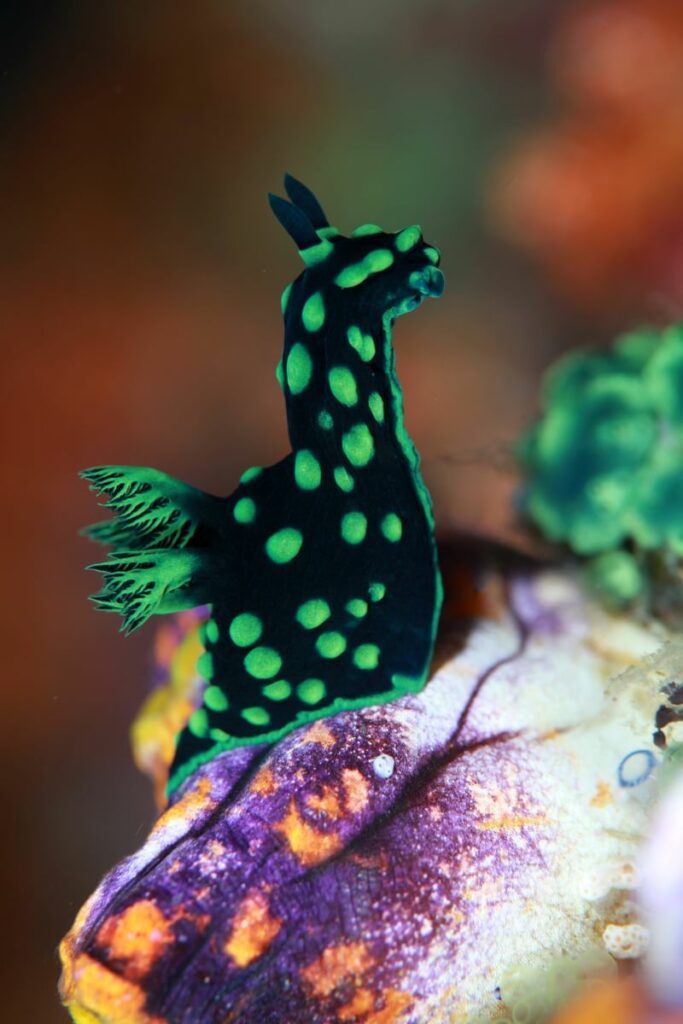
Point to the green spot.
(366, 229)
(378, 260)
(251, 474)
(279, 690)
(211, 631)
(311, 691)
(284, 545)
(431, 254)
(284, 298)
(327, 232)
(368, 350)
(358, 445)
(330, 645)
(366, 656)
(357, 607)
(205, 665)
(316, 253)
(343, 479)
(244, 510)
(199, 723)
(392, 527)
(376, 404)
(325, 420)
(219, 735)
(299, 368)
(245, 629)
(376, 591)
(255, 716)
(343, 385)
(355, 337)
(215, 699)
(280, 375)
(263, 663)
(351, 277)
(354, 526)
(313, 613)
(407, 238)
(306, 470)
(313, 313)
(208, 632)
(373, 263)
(364, 344)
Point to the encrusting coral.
(603, 465)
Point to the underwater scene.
(344, 375)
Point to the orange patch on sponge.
(362, 1002)
(138, 936)
(356, 789)
(68, 945)
(319, 733)
(393, 1006)
(95, 995)
(510, 821)
(396, 1005)
(264, 782)
(327, 802)
(603, 795)
(191, 805)
(309, 845)
(253, 929)
(336, 964)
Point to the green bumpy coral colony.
(603, 465)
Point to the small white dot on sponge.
(383, 766)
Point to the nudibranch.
(320, 571)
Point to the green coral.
(603, 465)
(616, 577)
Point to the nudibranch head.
(339, 312)
(375, 270)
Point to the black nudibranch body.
(321, 571)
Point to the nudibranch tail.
(152, 509)
(151, 582)
(321, 571)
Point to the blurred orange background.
(139, 310)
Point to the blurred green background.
(140, 324)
